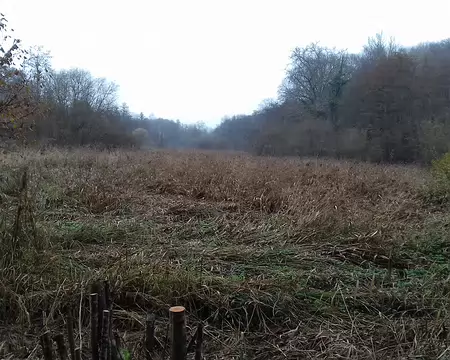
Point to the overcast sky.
(199, 60)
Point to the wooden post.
(71, 336)
(177, 315)
(61, 346)
(199, 342)
(242, 351)
(94, 325)
(46, 344)
(108, 306)
(105, 344)
(77, 354)
(97, 288)
(149, 335)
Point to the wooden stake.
(77, 354)
(199, 342)
(149, 336)
(105, 344)
(46, 344)
(178, 320)
(97, 288)
(242, 354)
(94, 326)
(71, 336)
(108, 306)
(61, 346)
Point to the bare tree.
(125, 111)
(105, 95)
(59, 89)
(379, 48)
(37, 69)
(68, 87)
(314, 78)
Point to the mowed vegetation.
(281, 258)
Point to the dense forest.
(385, 104)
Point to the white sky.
(199, 60)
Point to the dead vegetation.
(281, 258)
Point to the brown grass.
(307, 258)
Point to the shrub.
(441, 168)
(140, 136)
(439, 190)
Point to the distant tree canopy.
(385, 104)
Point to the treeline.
(40, 105)
(74, 108)
(385, 104)
(81, 110)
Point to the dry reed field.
(280, 258)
